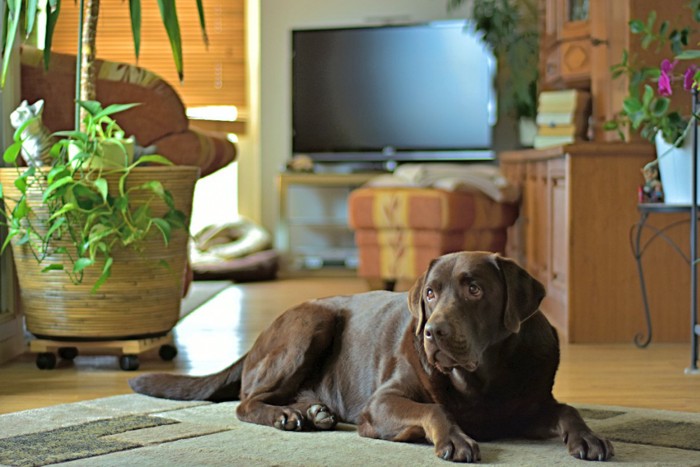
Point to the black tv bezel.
(389, 153)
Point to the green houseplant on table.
(102, 255)
(658, 104)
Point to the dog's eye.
(475, 290)
(429, 294)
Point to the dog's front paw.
(458, 447)
(289, 420)
(587, 445)
(321, 417)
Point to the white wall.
(277, 19)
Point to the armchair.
(160, 120)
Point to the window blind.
(212, 76)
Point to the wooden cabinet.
(578, 206)
(566, 45)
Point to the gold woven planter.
(141, 298)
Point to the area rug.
(139, 430)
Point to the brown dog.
(473, 359)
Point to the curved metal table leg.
(639, 339)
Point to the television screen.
(408, 92)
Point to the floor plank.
(223, 328)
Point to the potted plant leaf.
(100, 245)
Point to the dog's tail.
(218, 387)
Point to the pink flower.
(689, 77)
(665, 78)
(667, 65)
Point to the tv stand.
(312, 229)
(375, 167)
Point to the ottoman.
(398, 231)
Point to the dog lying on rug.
(465, 355)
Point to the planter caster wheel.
(68, 353)
(167, 352)
(46, 361)
(129, 362)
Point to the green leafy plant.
(85, 220)
(648, 109)
(511, 28)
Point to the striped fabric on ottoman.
(398, 231)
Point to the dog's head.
(467, 301)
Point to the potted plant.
(511, 29)
(658, 103)
(100, 247)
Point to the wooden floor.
(222, 329)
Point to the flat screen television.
(402, 92)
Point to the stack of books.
(562, 117)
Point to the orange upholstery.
(160, 119)
(398, 231)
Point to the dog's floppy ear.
(416, 304)
(523, 293)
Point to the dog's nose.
(437, 330)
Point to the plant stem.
(78, 64)
(88, 40)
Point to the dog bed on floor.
(260, 266)
(239, 251)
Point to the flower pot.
(143, 295)
(114, 155)
(675, 170)
(527, 130)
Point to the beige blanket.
(485, 178)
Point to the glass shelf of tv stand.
(301, 257)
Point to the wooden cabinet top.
(577, 150)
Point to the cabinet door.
(535, 205)
(515, 245)
(559, 242)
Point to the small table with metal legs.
(638, 249)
